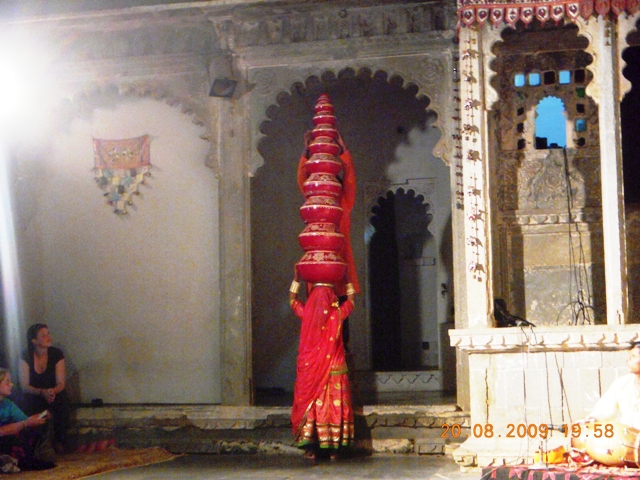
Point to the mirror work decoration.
(121, 166)
(498, 11)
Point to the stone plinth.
(401, 381)
(522, 378)
(401, 429)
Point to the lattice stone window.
(550, 77)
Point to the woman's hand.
(49, 394)
(343, 146)
(37, 419)
(307, 141)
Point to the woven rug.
(82, 465)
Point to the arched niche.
(391, 132)
(402, 309)
(540, 193)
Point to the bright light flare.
(23, 81)
(11, 289)
(25, 77)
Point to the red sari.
(322, 413)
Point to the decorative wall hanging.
(498, 11)
(121, 167)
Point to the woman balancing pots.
(328, 204)
(322, 413)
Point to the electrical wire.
(579, 275)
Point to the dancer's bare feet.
(309, 454)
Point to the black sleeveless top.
(46, 379)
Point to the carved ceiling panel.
(297, 24)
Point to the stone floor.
(285, 467)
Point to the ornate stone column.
(605, 90)
(475, 157)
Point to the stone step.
(408, 429)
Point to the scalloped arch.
(419, 84)
(420, 189)
(495, 37)
(82, 102)
(628, 27)
(92, 97)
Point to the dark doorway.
(630, 119)
(400, 222)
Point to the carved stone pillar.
(605, 90)
(235, 250)
(475, 152)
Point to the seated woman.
(42, 378)
(18, 433)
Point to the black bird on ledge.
(506, 319)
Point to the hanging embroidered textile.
(498, 11)
(121, 167)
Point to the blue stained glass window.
(581, 125)
(534, 79)
(564, 77)
(519, 79)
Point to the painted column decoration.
(475, 199)
(473, 161)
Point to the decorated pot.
(324, 131)
(319, 209)
(322, 184)
(321, 236)
(324, 145)
(323, 163)
(323, 106)
(321, 266)
(323, 119)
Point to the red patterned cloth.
(322, 413)
(561, 472)
(121, 166)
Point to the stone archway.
(391, 134)
(426, 61)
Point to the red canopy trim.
(496, 12)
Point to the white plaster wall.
(132, 300)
